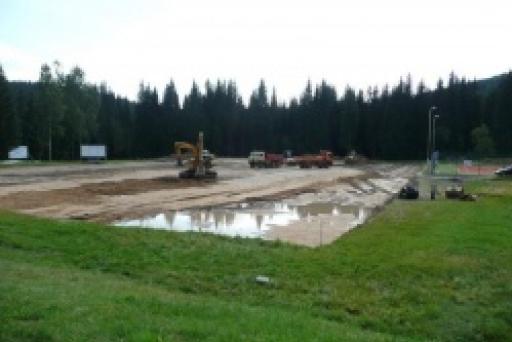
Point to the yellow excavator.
(198, 166)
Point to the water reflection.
(245, 219)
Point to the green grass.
(417, 271)
(446, 168)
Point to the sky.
(359, 43)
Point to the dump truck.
(198, 166)
(264, 159)
(321, 160)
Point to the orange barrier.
(476, 169)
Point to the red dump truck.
(264, 159)
(321, 160)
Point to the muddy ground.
(114, 191)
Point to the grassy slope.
(419, 270)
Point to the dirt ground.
(113, 191)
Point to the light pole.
(431, 148)
(429, 138)
(433, 143)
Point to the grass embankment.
(419, 270)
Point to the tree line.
(60, 111)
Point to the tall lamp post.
(429, 138)
(431, 148)
(434, 144)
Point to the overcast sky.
(361, 43)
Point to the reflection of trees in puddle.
(351, 209)
(315, 209)
(197, 219)
(361, 215)
(254, 220)
(169, 218)
(228, 217)
(358, 211)
(259, 218)
(222, 218)
(281, 207)
(218, 219)
(215, 219)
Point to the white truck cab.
(256, 157)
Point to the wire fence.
(471, 167)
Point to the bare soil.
(91, 193)
(109, 192)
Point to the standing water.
(250, 220)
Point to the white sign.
(468, 163)
(93, 151)
(20, 152)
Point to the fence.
(469, 167)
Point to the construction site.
(307, 200)
(255, 171)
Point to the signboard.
(20, 152)
(93, 152)
(468, 163)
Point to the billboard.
(19, 152)
(93, 152)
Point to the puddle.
(250, 220)
(309, 219)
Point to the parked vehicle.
(504, 171)
(264, 159)
(289, 159)
(408, 192)
(321, 160)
